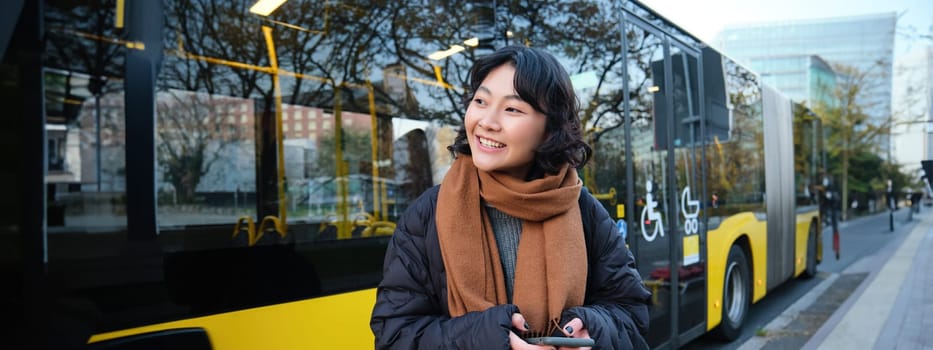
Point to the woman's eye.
(513, 110)
(479, 101)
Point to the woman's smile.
(490, 143)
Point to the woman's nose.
(489, 121)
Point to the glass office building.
(782, 53)
(913, 109)
(803, 78)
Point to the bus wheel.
(736, 296)
(810, 272)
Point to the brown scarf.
(550, 273)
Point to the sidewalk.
(893, 308)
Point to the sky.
(706, 18)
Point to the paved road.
(859, 238)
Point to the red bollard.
(836, 243)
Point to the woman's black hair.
(542, 82)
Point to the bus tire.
(811, 269)
(736, 295)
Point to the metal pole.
(891, 203)
(97, 137)
(891, 219)
(834, 219)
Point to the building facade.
(781, 52)
(913, 109)
(807, 79)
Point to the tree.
(357, 149)
(851, 128)
(199, 102)
(194, 132)
(912, 33)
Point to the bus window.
(736, 165)
(808, 150)
(84, 120)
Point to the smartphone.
(562, 341)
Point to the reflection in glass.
(808, 151)
(651, 248)
(84, 118)
(689, 227)
(741, 157)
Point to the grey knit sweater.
(508, 231)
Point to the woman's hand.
(516, 342)
(573, 329)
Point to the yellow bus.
(221, 174)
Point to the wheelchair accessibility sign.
(652, 222)
(649, 215)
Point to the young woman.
(509, 246)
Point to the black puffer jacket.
(411, 303)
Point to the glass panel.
(204, 144)
(741, 154)
(688, 189)
(807, 161)
(84, 119)
(365, 120)
(304, 87)
(649, 227)
(83, 77)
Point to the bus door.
(688, 191)
(666, 186)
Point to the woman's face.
(503, 130)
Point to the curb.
(785, 318)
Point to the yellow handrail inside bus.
(254, 235)
(250, 228)
(654, 285)
(280, 223)
(609, 196)
(274, 63)
(373, 226)
(374, 141)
